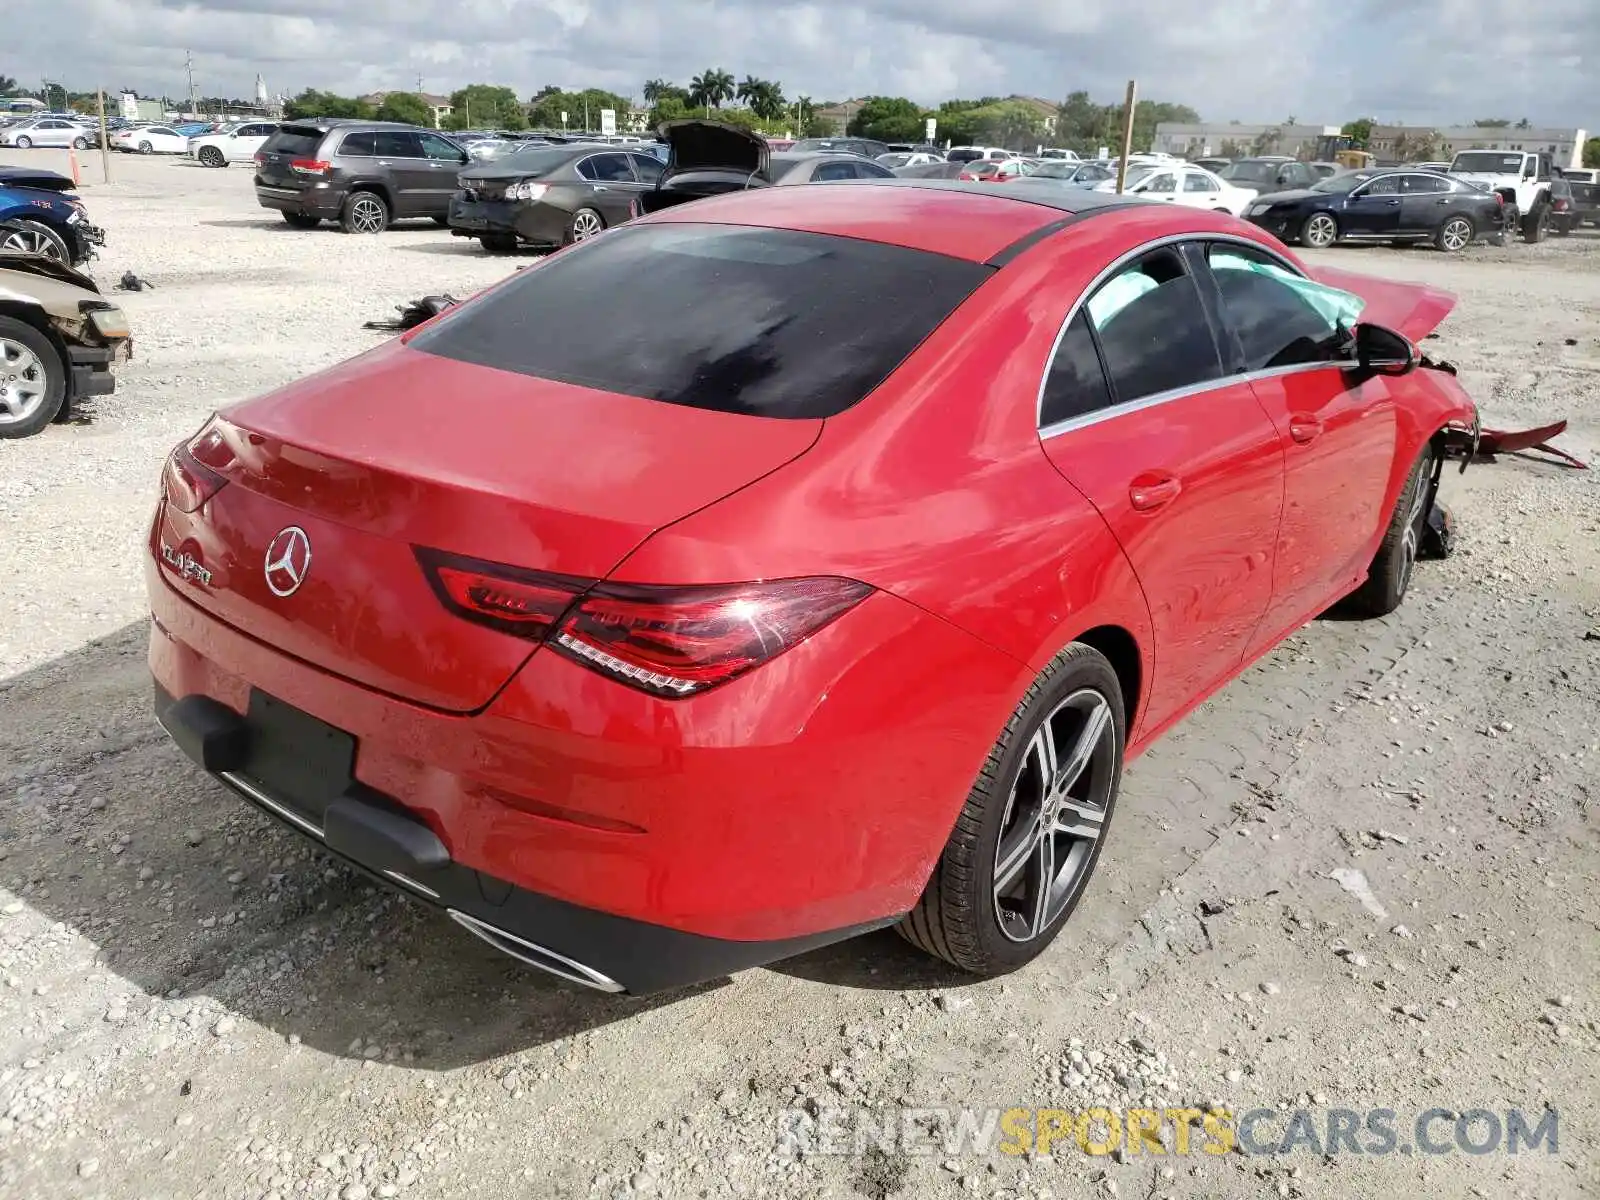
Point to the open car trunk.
(706, 158)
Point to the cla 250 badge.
(186, 565)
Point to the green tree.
(1267, 141)
(764, 97)
(711, 88)
(1591, 152)
(9, 85)
(1359, 132)
(888, 119)
(1524, 124)
(484, 106)
(581, 108)
(657, 89)
(407, 107)
(1492, 122)
(312, 103)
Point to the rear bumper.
(374, 833)
(789, 808)
(534, 222)
(309, 201)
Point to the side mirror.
(1382, 351)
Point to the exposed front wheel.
(1536, 224)
(30, 237)
(1319, 232)
(212, 157)
(1027, 840)
(80, 143)
(146, 148)
(33, 381)
(1389, 576)
(1454, 235)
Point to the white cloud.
(1439, 61)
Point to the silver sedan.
(46, 131)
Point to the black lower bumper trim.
(377, 835)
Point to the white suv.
(237, 145)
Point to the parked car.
(150, 139)
(1584, 189)
(1190, 186)
(942, 170)
(1522, 179)
(238, 144)
(976, 153)
(1215, 165)
(907, 158)
(865, 147)
(60, 340)
(41, 214)
(1383, 206)
(985, 170)
(1268, 174)
(1325, 170)
(1069, 173)
(741, 604)
(55, 132)
(549, 195)
(362, 174)
(707, 158)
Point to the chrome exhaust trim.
(535, 955)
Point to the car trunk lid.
(399, 450)
(278, 154)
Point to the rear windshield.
(298, 142)
(769, 322)
(1487, 163)
(537, 161)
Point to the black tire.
(80, 143)
(46, 362)
(1455, 234)
(1319, 231)
(1389, 576)
(146, 148)
(35, 237)
(364, 212)
(1512, 225)
(1536, 224)
(210, 156)
(302, 220)
(1562, 228)
(958, 917)
(443, 222)
(584, 224)
(499, 243)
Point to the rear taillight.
(668, 641)
(259, 158)
(193, 471)
(310, 166)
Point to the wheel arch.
(35, 317)
(377, 187)
(1122, 650)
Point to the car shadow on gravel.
(468, 246)
(188, 892)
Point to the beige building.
(1229, 140)
(1411, 142)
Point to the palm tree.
(8, 85)
(709, 89)
(654, 89)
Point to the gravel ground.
(1362, 877)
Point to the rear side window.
(1076, 385)
(298, 143)
(1152, 328)
(359, 145)
(768, 322)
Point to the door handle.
(1391, 203)
(1152, 490)
(383, 162)
(600, 187)
(1304, 428)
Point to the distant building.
(1413, 142)
(1238, 141)
(21, 104)
(132, 108)
(440, 105)
(838, 115)
(1047, 111)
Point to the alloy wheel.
(31, 241)
(1321, 231)
(23, 382)
(24, 143)
(1415, 517)
(585, 225)
(1456, 234)
(366, 214)
(1055, 815)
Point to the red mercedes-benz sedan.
(789, 564)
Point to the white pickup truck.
(1522, 178)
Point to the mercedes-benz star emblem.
(288, 561)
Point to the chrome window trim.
(1171, 239)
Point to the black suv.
(362, 174)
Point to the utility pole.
(1128, 107)
(188, 65)
(105, 137)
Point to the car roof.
(942, 216)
